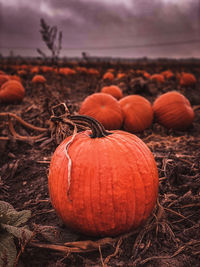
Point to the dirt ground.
(171, 236)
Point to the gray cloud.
(87, 23)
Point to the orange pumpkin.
(168, 74)
(34, 69)
(173, 111)
(4, 78)
(104, 108)
(159, 78)
(138, 113)
(67, 71)
(108, 184)
(46, 69)
(81, 69)
(92, 71)
(39, 79)
(22, 72)
(187, 79)
(121, 75)
(11, 91)
(113, 90)
(146, 75)
(108, 76)
(16, 78)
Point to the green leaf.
(8, 215)
(8, 252)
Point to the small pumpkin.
(103, 183)
(173, 110)
(11, 91)
(168, 74)
(66, 71)
(138, 113)
(39, 79)
(158, 78)
(121, 75)
(93, 72)
(108, 76)
(113, 90)
(22, 72)
(34, 69)
(104, 108)
(146, 75)
(187, 79)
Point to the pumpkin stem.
(61, 114)
(97, 128)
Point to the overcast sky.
(122, 28)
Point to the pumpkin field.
(123, 188)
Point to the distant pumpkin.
(47, 69)
(39, 79)
(93, 72)
(146, 75)
(108, 76)
(34, 69)
(104, 108)
(113, 90)
(173, 110)
(22, 72)
(138, 113)
(4, 78)
(82, 70)
(121, 75)
(168, 74)
(66, 71)
(11, 91)
(187, 79)
(159, 78)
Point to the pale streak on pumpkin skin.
(69, 159)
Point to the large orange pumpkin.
(103, 183)
(11, 91)
(113, 90)
(173, 110)
(138, 113)
(104, 108)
